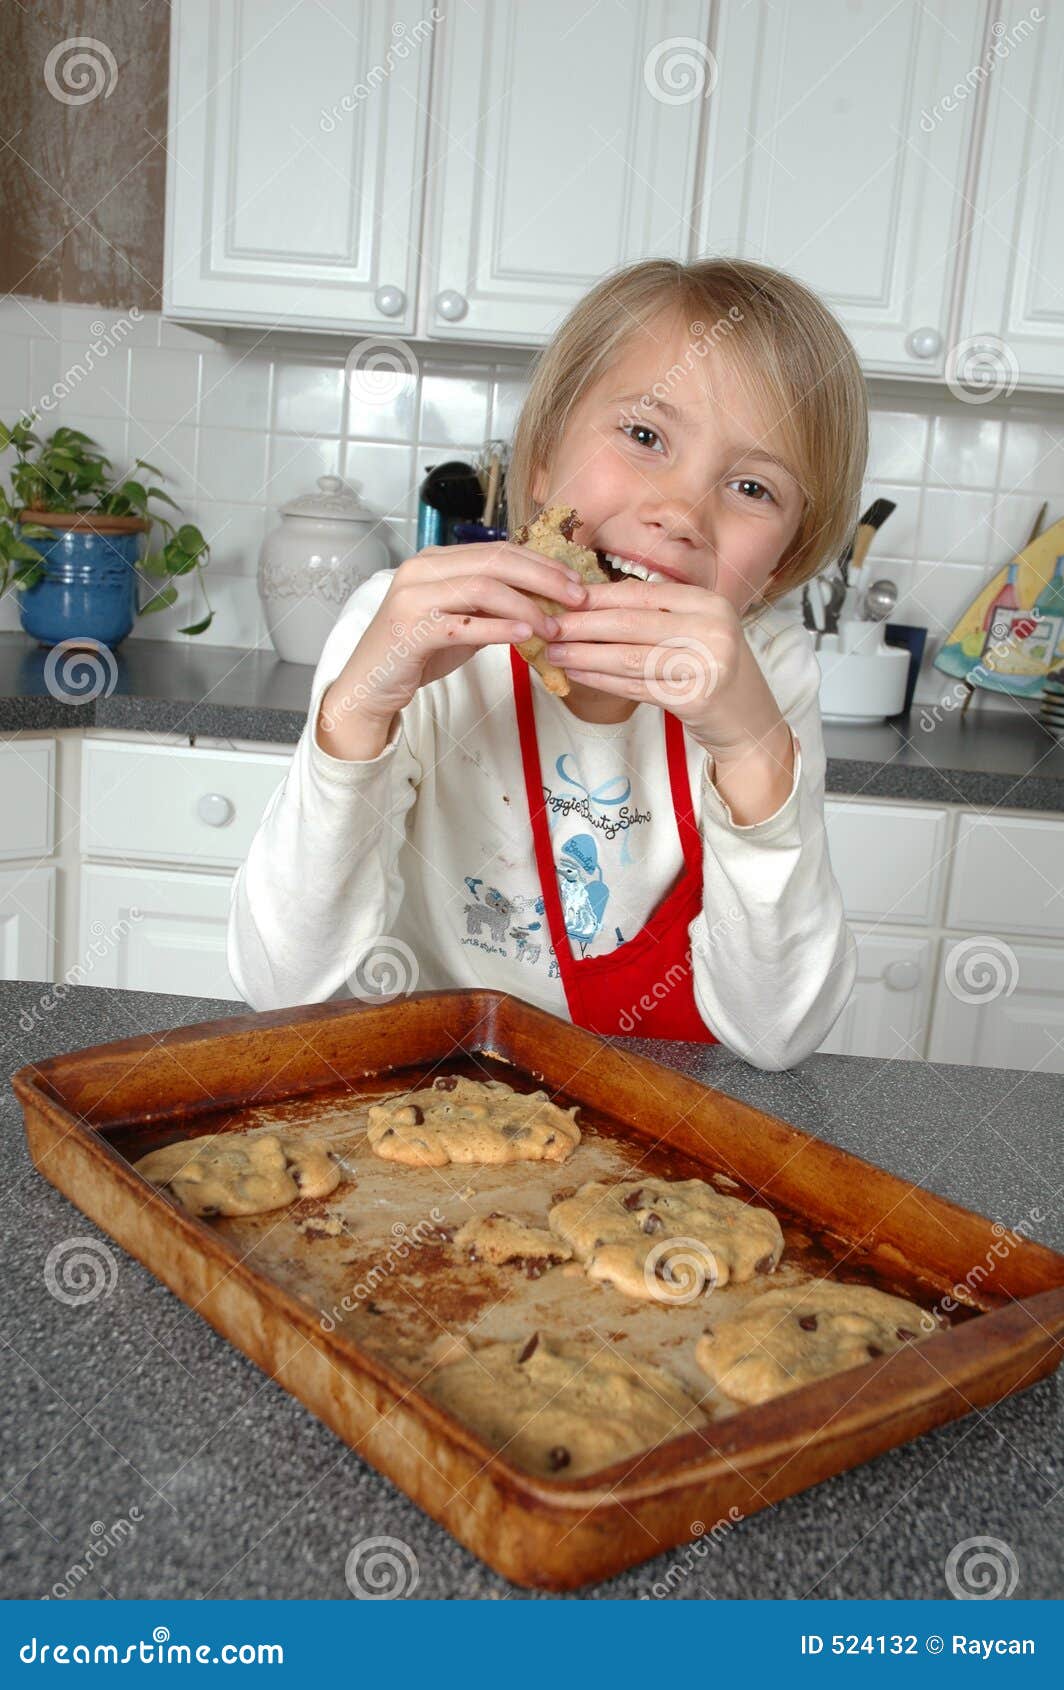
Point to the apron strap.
(690, 839)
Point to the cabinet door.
(1000, 1005)
(152, 931)
(1013, 316)
(295, 174)
(828, 157)
(27, 781)
(889, 859)
(27, 924)
(567, 143)
(887, 1012)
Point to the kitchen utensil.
(299, 1307)
(453, 489)
(872, 520)
(326, 544)
(862, 679)
(836, 597)
(879, 600)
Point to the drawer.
(889, 859)
(156, 930)
(1008, 876)
(167, 804)
(27, 781)
(27, 925)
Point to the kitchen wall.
(239, 429)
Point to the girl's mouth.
(620, 568)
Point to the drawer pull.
(901, 976)
(215, 809)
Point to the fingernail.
(575, 589)
(552, 626)
(555, 652)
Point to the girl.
(645, 855)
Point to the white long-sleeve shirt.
(416, 870)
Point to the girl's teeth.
(639, 570)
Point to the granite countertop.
(1002, 758)
(132, 1401)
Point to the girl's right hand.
(441, 607)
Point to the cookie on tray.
(791, 1336)
(562, 1407)
(666, 1241)
(461, 1120)
(225, 1174)
(551, 535)
(500, 1240)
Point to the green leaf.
(190, 539)
(157, 493)
(36, 531)
(199, 627)
(178, 562)
(141, 463)
(153, 564)
(30, 553)
(162, 600)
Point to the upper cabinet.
(829, 156)
(467, 172)
(296, 161)
(1014, 294)
(565, 143)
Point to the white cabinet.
(153, 930)
(821, 160)
(296, 161)
(1013, 302)
(566, 143)
(1008, 876)
(889, 859)
(27, 924)
(1000, 1004)
(887, 1012)
(27, 782)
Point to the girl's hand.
(441, 607)
(683, 648)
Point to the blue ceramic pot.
(89, 588)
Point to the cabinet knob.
(901, 976)
(215, 809)
(451, 306)
(390, 302)
(924, 343)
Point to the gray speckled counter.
(133, 1401)
(1008, 759)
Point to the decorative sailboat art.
(1012, 635)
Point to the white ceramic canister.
(309, 565)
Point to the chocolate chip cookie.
(224, 1174)
(551, 535)
(666, 1241)
(460, 1120)
(562, 1406)
(790, 1336)
(498, 1239)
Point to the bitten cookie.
(221, 1174)
(666, 1240)
(790, 1336)
(552, 536)
(497, 1239)
(460, 1120)
(562, 1406)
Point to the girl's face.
(671, 465)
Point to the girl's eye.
(642, 435)
(753, 489)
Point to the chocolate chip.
(563, 1195)
(874, 1350)
(558, 1457)
(599, 1242)
(445, 1082)
(209, 1214)
(807, 1322)
(632, 1200)
(389, 1132)
(567, 528)
(764, 1265)
(514, 1132)
(446, 1233)
(418, 1115)
(653, 1223)
(903, 1332)
(551, 1139)
(529, 1348)
(708, 1332)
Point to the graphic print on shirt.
(590, 863)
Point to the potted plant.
(69, 534)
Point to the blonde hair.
(791, 352)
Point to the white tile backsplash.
(241, 429)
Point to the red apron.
(644, 988)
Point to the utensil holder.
(862, 678)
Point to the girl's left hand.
(680, 647)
